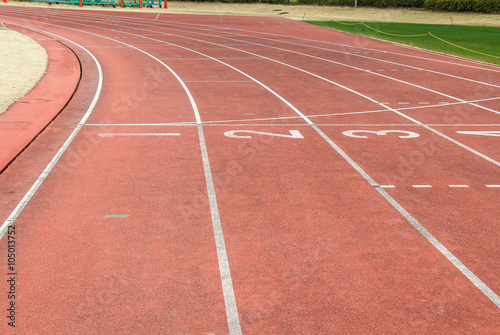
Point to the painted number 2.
(232, 133)
(407, 134)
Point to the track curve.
(299, 171)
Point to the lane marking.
(215, 29)
(307, 55)
(231, 133)
(225, 124)
(364, 70)
(137, 134)
(388, 186)
(352, 133)
(116, 216)
(492, 185)
(218, 81)
(230, 32)
(482, 133)
(354, 53)
(422, 186)
(458, 186)
(343, 64)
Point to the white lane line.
(492, 185)
(422, 186)
(31, 192)
(306, 45)
(327, 60)
(459, 186)
(388, 186)
(355, 53)
(218, 81)
(368, 71)
(137, 134)
(224, 124)
(359, 69)
(229, 32)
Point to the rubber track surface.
(254, 175)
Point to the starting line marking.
(483, 133)
(137, 134)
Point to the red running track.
(255, 175)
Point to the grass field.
(483, 43)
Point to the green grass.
(485, 40)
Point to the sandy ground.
(22, 63)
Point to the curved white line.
(225, 29)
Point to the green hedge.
(481, 6)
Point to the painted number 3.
(407, 134)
